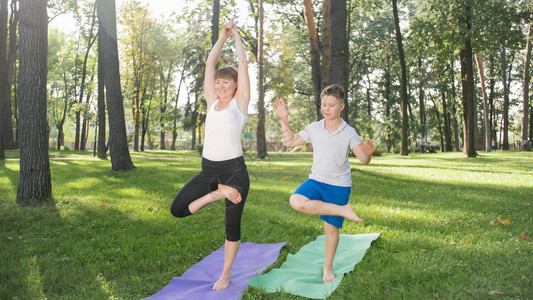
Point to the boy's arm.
(283, 112)
(364, 151)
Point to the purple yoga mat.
(197, 282)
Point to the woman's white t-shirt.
(223, 130)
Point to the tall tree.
(215, 22)
(79, 141)
(137, 52)
(261, 139)
(314, 50)
(118, 141)
(339, 62)
(505, 83)
(101, 121)
(6, 121)
(524, 145)
(35, 184)
(61, 62)
(403, 81)
(486, 112)
(467, 81)
(421, 100)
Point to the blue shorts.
(315, 190)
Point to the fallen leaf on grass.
(10, 238)
(524, 236)
(505, 222)
(285, 178)
(526, 204)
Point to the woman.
(224, 174)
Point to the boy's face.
(331, 107)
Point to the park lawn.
(451, 227)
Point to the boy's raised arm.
(283, 113)
(364, 151)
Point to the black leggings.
(232, 173)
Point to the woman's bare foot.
(230, 193)
(351, 215)
(328, 276)
(222, 283)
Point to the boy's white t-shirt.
(330, 152)
(223, 130)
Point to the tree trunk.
(102, 149)
(467, 83)
(403, 82)
(388, 104)
(6, 121)
(194, 121)
(492, 116)
(486, 112)
(447, 128)
(505, 142)
(165, 81)
(146, 120)
(314, 50)
(339, 61)
(175, 116)
(215, 20)
(35, 184)
(79, 114)
(530, 123)
(439, 122)
(136, 109)
(453, 109)
(60, 123)
(524, 145)
(2, 153)
(421, 102)
(325, 47)
(118, 141)
(261, 139)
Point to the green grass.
(451, 227)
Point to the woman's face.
(225, 88)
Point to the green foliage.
(451, 227)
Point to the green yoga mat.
(301, 273)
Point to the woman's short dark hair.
(227, 72)
(334, 90)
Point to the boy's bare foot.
(328, 276)
(230, 193)
(350, 214)
(222, 283)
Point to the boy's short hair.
(334, 90)
(227, 72)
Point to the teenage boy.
(327, 191)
